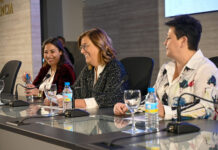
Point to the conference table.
(99, 131)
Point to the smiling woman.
(100, 82)
(56, 64)
(189, 71)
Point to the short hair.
(188, 26)
(101, 40)
(64, 58)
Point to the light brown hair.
(101, 40)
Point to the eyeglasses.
(84, 47)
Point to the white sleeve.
(91, 103)
(169, 113)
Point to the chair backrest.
(214, 60)
(139, 70)
(10, 70)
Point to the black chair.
(9, 75)
(139, 70)
(214, 60)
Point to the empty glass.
(132, 99)
(50, 93)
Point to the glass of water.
(50, 93)
(2, 85)
(132, 99)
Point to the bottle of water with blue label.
(68, 95)
(28, 81)
(151, 111)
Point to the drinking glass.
(2, 85)
(132, 99)
(50, 93)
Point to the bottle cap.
(27, 77)
(150, 89)
(67, 83)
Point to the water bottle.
(67, 94)
(28, 81)
(151, 111)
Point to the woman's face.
(90, 51)
(52, 54)
(172, 43)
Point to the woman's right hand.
(120, 109)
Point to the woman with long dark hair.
(56, 64)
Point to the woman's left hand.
(46, 102)
(80, 103)
(60, 102)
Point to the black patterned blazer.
(106, 91)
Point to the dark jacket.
(106, 91)
(64, 73)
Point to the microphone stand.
(16, 102)
(184, 127)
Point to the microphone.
(4, 76)
(184, 127)
(17, 102)
(125, 78)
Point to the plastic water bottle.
(67, 94)
(151, 111)
(28, 81)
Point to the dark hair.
(62, 38)
(101, 40)
(187, 26)
(63, 59)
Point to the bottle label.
(151, 107)
(67, 97)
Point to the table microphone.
(125, 78)
(179, 127)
